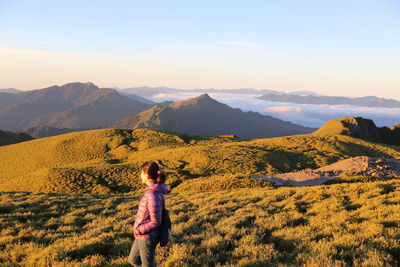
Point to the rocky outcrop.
(361, 128)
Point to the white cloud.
(283, 109)
(307, 115)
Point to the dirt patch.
(356, 166)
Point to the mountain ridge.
(47, 131)
(73, 105)
(365, 101)
(10, 90)
(205, 116)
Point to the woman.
(148, 217)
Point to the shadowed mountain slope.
(73, 105)
(206, 116)
(47, 131)
(361, 128)
(7, 138)
(137, 98)
(108, 160)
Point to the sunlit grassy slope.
(108, 160)
(221, 216)
(338, 225)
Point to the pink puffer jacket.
(148, 217)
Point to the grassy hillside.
(333, 127)
(108, 160)
(362, 128)
(337, 225)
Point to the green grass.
(108, 160)
(337, 225)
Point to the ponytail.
(153, 171)
(161, 177)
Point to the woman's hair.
(153, 171)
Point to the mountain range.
(367, 101)
(298, 97)
(10, 90)
(46, 131)
(79, 106)
(151, 91)
(203, 115)
(61, 109)
(73, 105)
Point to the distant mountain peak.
(201, 100)
(80, 85)
(203, 96)
(204, 115)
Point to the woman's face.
(144, 177)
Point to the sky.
(341, 47)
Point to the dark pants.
(143, 252)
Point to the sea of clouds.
(303, 114)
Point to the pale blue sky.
(332, 47)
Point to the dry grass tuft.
(336, 225)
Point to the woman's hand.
(135, 230)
